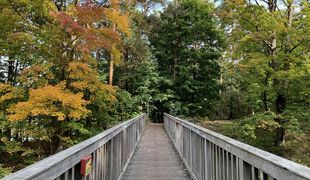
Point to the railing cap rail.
(69, 154)
(290, 166)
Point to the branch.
(19, 14)
(265, 2)
(284, 3)
(298, 44)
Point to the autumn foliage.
(58, 91)
(50, 101)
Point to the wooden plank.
(155, 157)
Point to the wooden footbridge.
(175, 150)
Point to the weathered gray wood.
(72, 173)
(232, 172)
(155, 158)
(53, 167)
(253, 173)
(276, 167)
(67, 175)
(227, 165)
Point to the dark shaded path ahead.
(156, 158)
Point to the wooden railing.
(110, 152)
(211, 156)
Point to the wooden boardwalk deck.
(156, 158)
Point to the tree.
(269, 46)
(53, 91)
(187, 44)
(145, 6)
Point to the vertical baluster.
(93, 170)
(115, 151)
(232, 167)
(253, 173)
(219, 162)
(207, 159)
(121, 150)
(73, 173)
(105, 162)
(223, 164)
(181, 140)
(241, 170)
(184, 143)
(97, 164)
(124, 152)
(216, 163)
(109, 159)
(261, 175)
(237, 168)
(101, 163)
(213, 166)
(190, 149)
(194, 153)
(67, 175)
(227, 165)
(201, 157)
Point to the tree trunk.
(56, 143)
(111, 68)
(175, 68)
(264, 99)
(11, 71)
(111, 71)
(280, 102)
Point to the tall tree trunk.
(111, 67)
(175, 68)
(11, 71)
(264, 99)
(221, 81)
(111, 71)
(280, 101)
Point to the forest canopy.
(70, 69)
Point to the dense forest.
(70, 69)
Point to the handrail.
(209, 155)
(110, 150)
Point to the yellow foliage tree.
(50, 101)
(9, 93)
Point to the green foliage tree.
(187, 43)
(269, 57)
